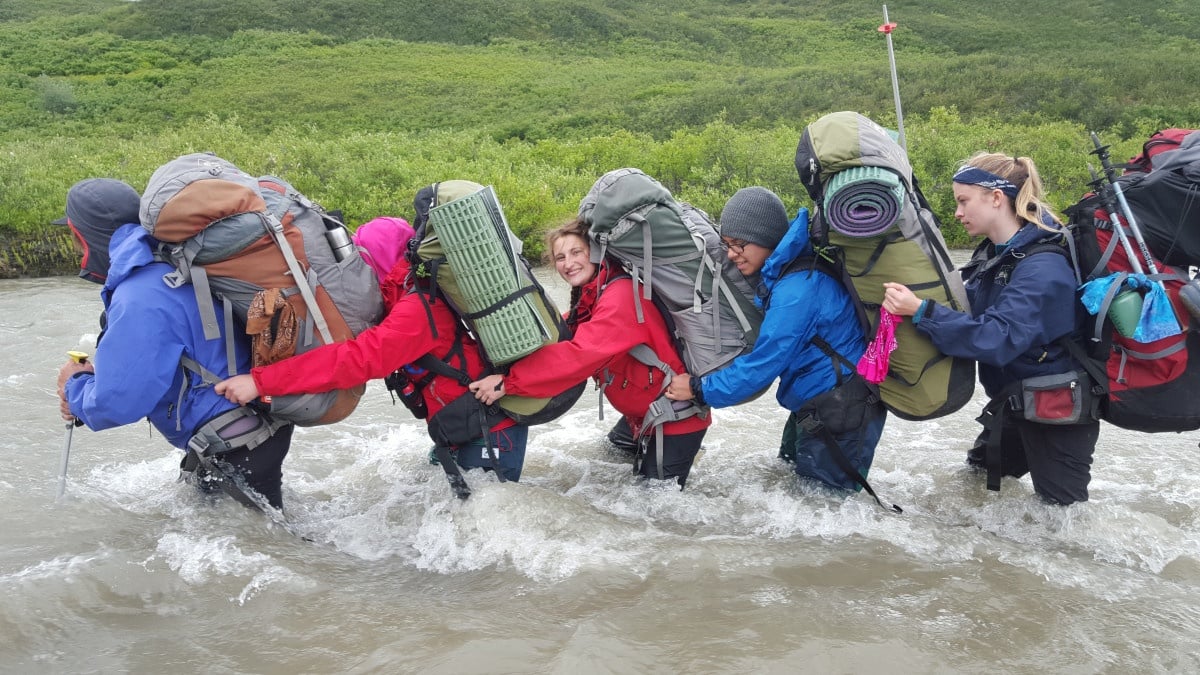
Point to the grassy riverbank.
(361, 103)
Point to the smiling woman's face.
(572, 261)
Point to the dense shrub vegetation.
(361, 102)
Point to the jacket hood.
(96, 207)
(131, 247)
(795, 243)
(383, 242)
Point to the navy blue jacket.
(1017, 312)
(799, 305)
(150, 325)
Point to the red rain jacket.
(606, 328)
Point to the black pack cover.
(1166, 204)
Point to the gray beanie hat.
(756, 215)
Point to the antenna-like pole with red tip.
(887, 29)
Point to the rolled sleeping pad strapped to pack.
(476, 231)
(497, 295)
(863, 201)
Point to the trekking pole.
(887, 29)
(1110, 173)
(77, 357)
(1106, 195)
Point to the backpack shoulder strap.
(828, 262)
(441, 366)
(275, 227)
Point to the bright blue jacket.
(150, 325)
(1017, 312)
(799, 306)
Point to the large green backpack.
(872, 219)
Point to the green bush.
(56, 96)
(361, 102)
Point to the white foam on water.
(205, 560)
(368, 491)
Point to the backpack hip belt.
(242, 427)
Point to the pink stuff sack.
(873, 365)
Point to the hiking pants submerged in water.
(679, 452)
(259, 469)
(1057, 457)
(812, 458)
(509, 445)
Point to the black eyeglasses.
(735, 245)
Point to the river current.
(579, 568)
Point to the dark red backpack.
(1151, 386)
(1159, 142)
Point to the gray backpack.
(673, 253)
(278, 263)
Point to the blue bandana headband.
(973, 175)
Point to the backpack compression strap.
(662, 410)
(303, 283)
(181, 258)
(816, 427)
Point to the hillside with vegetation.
(361, 102)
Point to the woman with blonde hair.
(1021, 320)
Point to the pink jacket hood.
(382, 242)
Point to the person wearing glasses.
(810, 341)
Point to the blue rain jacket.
(1017, 312)
(150, 325)
(798, 305)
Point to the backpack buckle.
(810, 423)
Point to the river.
(579, 568)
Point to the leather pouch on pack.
(463, 420)
(844, 408)
(1064, 398)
